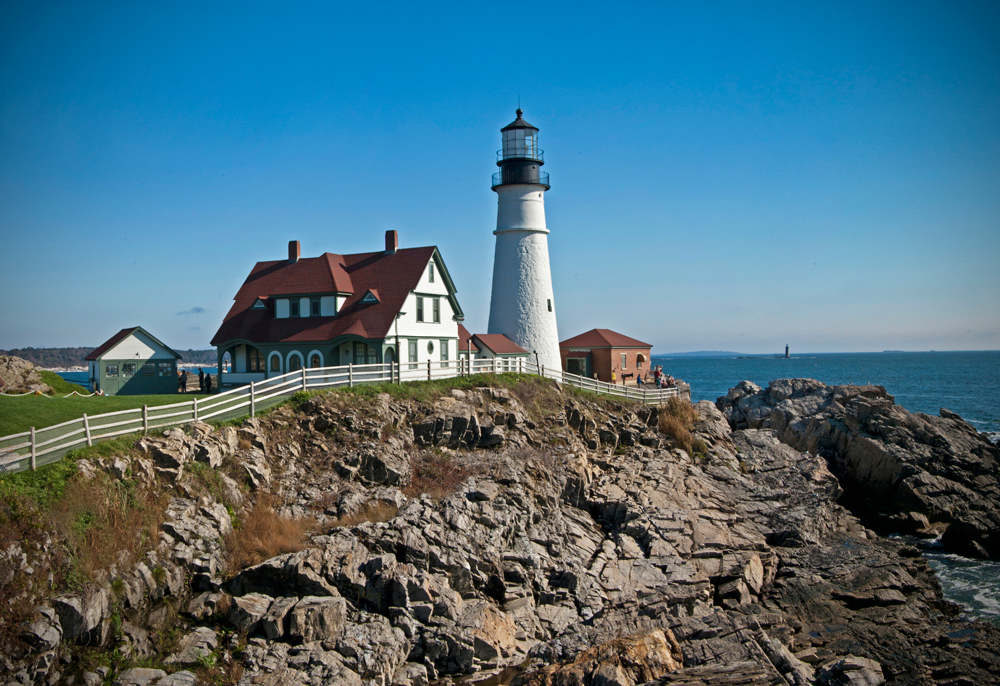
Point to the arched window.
(315, 360)
(227, 362)
(389, 357)
(275, 363)
(294, 362)
(639, 360)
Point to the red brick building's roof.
(120, 336)
(391, 275)
(602, 338)
(496, 343)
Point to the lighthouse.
(522, 306)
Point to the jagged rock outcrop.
(20, 376)
(583, 548)
(904, 472)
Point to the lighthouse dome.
(520, 141)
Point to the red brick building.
(599, 352)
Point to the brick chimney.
(294, 251)
(391, 242)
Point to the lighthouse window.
(550, 304)
(420, 309)
(437, 310)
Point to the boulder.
(194, 647)
(79, 614)
(373, 648)
(45, 632)
(248, 610)
(316, 618)
(17, 375)
(139, 676)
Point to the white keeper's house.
(340, 309)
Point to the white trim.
(316, 352)
(288, 359)
(267, 370)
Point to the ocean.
(964, 382)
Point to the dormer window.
(294, 307)
(369, 298)
(258, 304)
(314, 307)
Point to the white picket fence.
(36, 447)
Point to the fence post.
(428, 370)
(253, 400)
(145, 419)
(86, 429)
(194, 404)
(350, 375)
(303, 378)
(32, 448)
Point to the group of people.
(204, 381)
(662, 380)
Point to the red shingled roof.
(498, 344)
(602, 338)
(463, 339)
(391, 275)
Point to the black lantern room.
(520, 160)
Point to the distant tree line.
(73, 357)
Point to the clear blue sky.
(732, 176)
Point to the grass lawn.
(18, 414)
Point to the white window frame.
(281, 363)
(420, 308)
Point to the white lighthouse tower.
(522, 306)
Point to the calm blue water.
(83, 379)
(964, 382)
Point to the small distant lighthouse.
(522, 306)
(786, 351)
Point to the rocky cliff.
(522, 535)
(903, 472)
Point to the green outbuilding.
(133, 362)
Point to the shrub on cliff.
(677, 420)
(262, 533)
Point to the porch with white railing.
(29, 449)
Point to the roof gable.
(121, 336)
(389, 277)
(498, 344)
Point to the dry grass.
(677, 420)
(437, 475)
(107, 521)
(376, 511)
(263, 533)
(19, 529)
